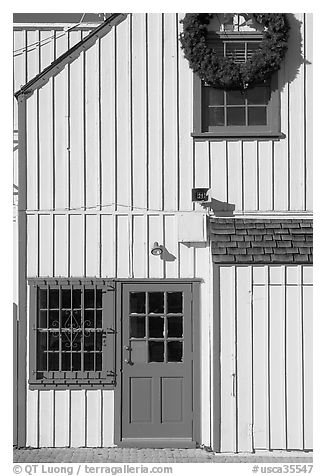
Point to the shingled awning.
(277, 241)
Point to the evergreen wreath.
(225, 73)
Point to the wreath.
(224, 72)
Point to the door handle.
(128, 361)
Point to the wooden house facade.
(144, 317)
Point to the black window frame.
(271, 129)
(105, 378)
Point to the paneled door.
(157, 365)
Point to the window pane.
(65, 362)
(76, 361)
(137, 302)
(236, 98)
(174, 301)
(138, 352)
(156, 351)
(156, 302)
(156, 326)
(89, 319)
(89, 341)
(53, 340)
(257, 116)
(258, 95)
(214, 97)
(175, 326)
(43, 322)
(89, 298)
(236, 116)
(98, 362)
(89, 362)
(137, 326)
(54, 361)
(98, 343)
(99, 298)
(66, 319)
(98, 319)
(76, 298)
(54, 298)
(41, 348)
(54, 319)
(43, 300)
(76, 340)
(215, 116)
(174, 351)
(66, 299)
(76, 319)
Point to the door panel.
(157, 362)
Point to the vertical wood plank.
(170, 131)
(260, 368)
(32, 152)
(77, 418)
(277, 367)
(123, 246)
(235, 174)
(108, 244)
(76, 92)
(309, 109)
(60, 246)
(94, 417)
(244, 358)
(250, 186)
(155, 144)
(296, 122)
(186, 261)
(61, 144)
(123, 117)
(91, 126)
(185, 109)
(32, 418)
(46, 245)
(202, 172)
(294, 368)
(32, 245)
(171, 245)
(219, 171)
(76, 245)
(265, 175)
(202, 266)
(46, 418)
(228, 401)
(281, 169)
(108, 418)
(139, 111)
(307, 296)
(155, 234)
(108, 121)
(91, 245)
(32, 54)
(140, 248)
(61, 418)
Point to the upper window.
(72, 334)
(254, 111)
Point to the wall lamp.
(156, 249)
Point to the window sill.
(237, 135)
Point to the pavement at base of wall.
(149, 455)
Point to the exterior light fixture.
(156, 249)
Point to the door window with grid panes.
(72, 334)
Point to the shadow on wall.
(220, 209)
(294, 57)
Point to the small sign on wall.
(192, 228)
(199, 195)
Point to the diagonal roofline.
(58, 65)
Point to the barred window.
(73, 333)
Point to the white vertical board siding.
(266, 382)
